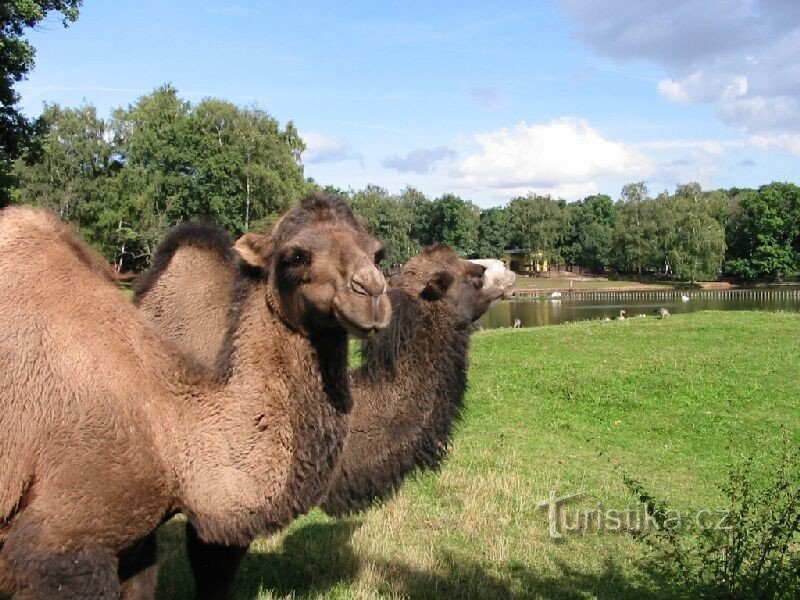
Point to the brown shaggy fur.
(407, 394)
(108, 429)
(410, 388)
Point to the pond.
(579, 306)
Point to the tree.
(387, 219)
(417, 205)
(765, 238)
(698, 248)
(248, 169)
(453, 221)
(634, 230)
(593, 220)
(538, 223)
(67, 163)
(16, 61)
(494, 233)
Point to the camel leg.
(138, 570)
(42, 570)
(214, 566)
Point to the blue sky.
(486, 100)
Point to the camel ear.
(253, 250)
(438, 285)
(475, 274)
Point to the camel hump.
(42, 226)
(28, 221)
(208, 237)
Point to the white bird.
(621, 316)
(517, 323)
(555, 295)
(684, 298)
(663, 313)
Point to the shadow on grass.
(318, 558)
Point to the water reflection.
(533, 313)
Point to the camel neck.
(266, 453)
(423, 342)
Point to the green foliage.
(538, 223)
(592, 232)
(388, 219)
(452, 221)
(635, 231)
(494, 233)
(751, 551)
(765, 234)
(158, 162)
(698, 247)
(16, 61)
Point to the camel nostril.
(368, 283)
(357, 287)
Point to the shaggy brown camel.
(407, 393)
(108, 429)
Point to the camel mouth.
(360, 327)
(356, 329)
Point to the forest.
(126, 180)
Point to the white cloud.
(564, 157)
(789, 143)
(322, 149)
(700, 87)
(739, 55)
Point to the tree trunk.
(247, 205)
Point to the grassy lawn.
(567, 409)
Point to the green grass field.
(567, 409)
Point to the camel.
(407, 394)
(497, 274)
(109, 429)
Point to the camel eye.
(297, 257)
(380, 255)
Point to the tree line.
(126, 180)
(689, 234)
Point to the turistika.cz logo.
(640, 519)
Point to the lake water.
(590, 306)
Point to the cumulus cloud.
(322, 149)
(419, 161)
(564, 157)
(739, 55)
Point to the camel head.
(321, 268)
(437, 274)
